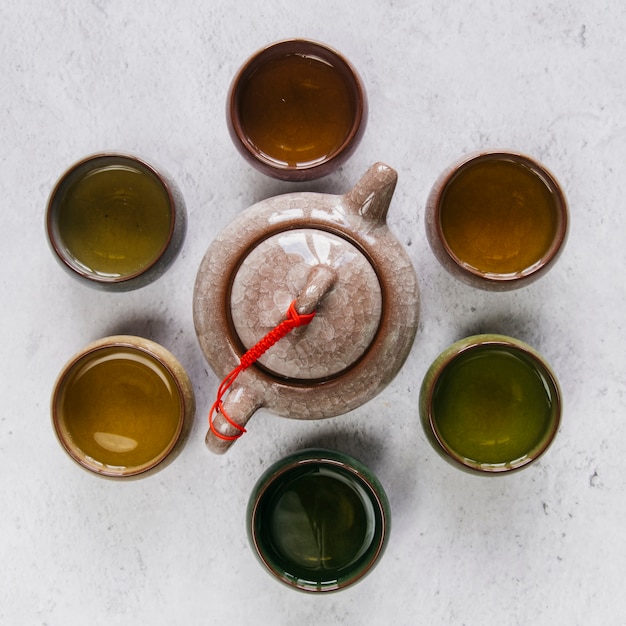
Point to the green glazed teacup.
(490, 404)
(318, 520)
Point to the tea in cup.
(490, 404)
(122, 407)
(318, 520)
(497, 220)
(296, 110)
(115, 222)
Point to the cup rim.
(529, 274)
(55, 240)
(346, 464)
(436, 371)
(150, 350)
(308, 171)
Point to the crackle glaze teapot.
(328, 255)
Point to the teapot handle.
(240, 404)
(244, 399)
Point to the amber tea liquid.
(115, 219)
(498, 216)
(297, 110)
(491, 405)
(121, 408)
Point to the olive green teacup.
(318, 520)
(115, 222)
(490, 404)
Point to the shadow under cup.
(490, 404)
(122, 407)
(318, 520)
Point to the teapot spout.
(371, 196)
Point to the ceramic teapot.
(328, 255)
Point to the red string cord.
(292, 320)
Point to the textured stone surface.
(545, 546)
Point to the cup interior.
(317, 523)
(110, 218)
(491, 406)
(501, 217)
(118, 409)
(296, 109)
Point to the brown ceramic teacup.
(115, 222)
(296, 110)
(497, 220)
(122, 407)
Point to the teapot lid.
(322, 272)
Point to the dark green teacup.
(318, 520)
(490, 404)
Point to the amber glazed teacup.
(122, 407)
(497, 220)
(115, 222)
(490, 404)
(296, 110)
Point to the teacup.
(115, 222)
(318, 520)
(122, 407)
(497, 220)
(490, 404)
(296, 110)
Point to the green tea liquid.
(319, 523)
(115, 220)
(498, 216)
(296, 109)
(492, 406)
(121, 408)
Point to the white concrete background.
(544, 546)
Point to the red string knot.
(292, 320)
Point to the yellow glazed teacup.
(122, 407)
